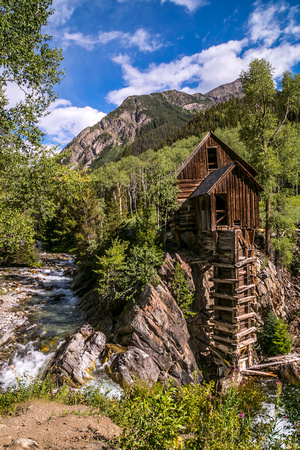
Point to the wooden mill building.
(219, 204)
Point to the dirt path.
(55, 426)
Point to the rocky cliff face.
(142, 119)
(157, 342)
(151, 330)
(225, 92)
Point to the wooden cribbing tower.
(219, 205)
(234, 293)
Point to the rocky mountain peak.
(141, 122)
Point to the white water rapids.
(50, 306)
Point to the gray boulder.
(154, 323)
(133, 364)
(78, 355)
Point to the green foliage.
(142, 264)
(110, 269)
(275, 337)
(27, 61)
(16, 237)
(28, 388)
(270, 141)
(190, 417)
(169, 417)
(184, 295)
(78, 220)
(136, 184)
(122, 272)
(290, 402)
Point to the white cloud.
(66, 121)
(201, 68)
(273, 34)
(140, 39)
(87, 42)
(191, 5)
(63, 11)
(282, 58)
(272, 21)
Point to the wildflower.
(241, 414)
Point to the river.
(44, 308)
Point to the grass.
(167, 417)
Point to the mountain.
(225, 92)
(141, 122)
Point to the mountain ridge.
(140, 123)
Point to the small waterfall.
(50, 306)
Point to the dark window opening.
(212, 158)
(221, 210)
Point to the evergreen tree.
(275, 337)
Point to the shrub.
(275, 336)
(183, 293)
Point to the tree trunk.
(268, 230)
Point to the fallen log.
(274, 363)
(257, 373)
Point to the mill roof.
(212, 180)
(233, 155)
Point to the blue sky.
(116, 48)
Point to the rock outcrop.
(131, 365)
(154, 331)
(226, 91)
(159, 343)
(77, 356)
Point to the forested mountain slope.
(142, 122)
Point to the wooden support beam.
(275, 363)
(198, 261)
(246, 343)
(224, 349)
(226, 265)
(245, 261)
(245, 332)
(244, 316)
(231, 326)
(225, 296)
(246, 299)
(241, 289)
(226, 340)
(256, 373)
(224, 280)
(224, 308)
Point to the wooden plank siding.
(242, 200)
(197, 166)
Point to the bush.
(183, 293)
(275, 336)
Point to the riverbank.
(37, 311)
